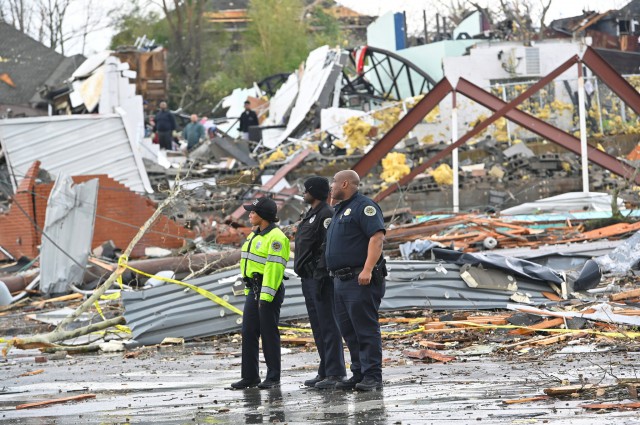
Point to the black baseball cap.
(265, 208)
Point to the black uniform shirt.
(355, 221)
(248, 119)
(310, 236)
(165, 121)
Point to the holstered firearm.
(308, 269)
(254, 284)
(379, 271)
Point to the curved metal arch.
(380, 74)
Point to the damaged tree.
(185, 23)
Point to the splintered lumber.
(69, 297)
(34, 372)
(558, 338)
(527, 399)
(625, 295)
(55, 401)
(296, 340)
(428, 354)
(432, 344)
(545, 324)
(616, 406)
(568, 389)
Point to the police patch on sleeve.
(327, 222)
(369, 211)
(276, 246)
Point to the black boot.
(245, 383)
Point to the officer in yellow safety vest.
(264, 257)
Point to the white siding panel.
(76, 145)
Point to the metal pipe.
(504, 99)
(454, 154)
(584, 155)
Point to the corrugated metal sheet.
(76, 145)
(170, 310)
(71, 213)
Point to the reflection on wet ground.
(178, 388)
(311, 406)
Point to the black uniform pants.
(262, 323)
(321, 309)
(165, 139)
(357, 313)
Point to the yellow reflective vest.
(266, 253)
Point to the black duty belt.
(347, 273)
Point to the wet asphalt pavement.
(189, 385)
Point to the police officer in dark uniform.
(317, 286)
(263, 260)
(354, 257)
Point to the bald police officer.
(354, 258)
(262, 262)
(317, 286)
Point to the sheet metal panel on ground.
(173, 311)
(76, 145)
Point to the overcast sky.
(100, 40)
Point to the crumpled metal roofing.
(76, 145)
(173, 311)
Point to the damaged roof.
(29, 64)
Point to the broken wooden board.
(296, 340)
(55, 401)
(625, 295)
(569, 389)
(527, 399)
(614, 406)
(545, 324)
(428, 354)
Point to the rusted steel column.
(612, 79)
(393, 137)
(548, 131)
(480, 127)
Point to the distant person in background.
(165, 126)
(193, 132)
(247, 119)
(209, 127)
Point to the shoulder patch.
(327, 222)
(369, 211)
(276, 246)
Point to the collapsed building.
(513, 119)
